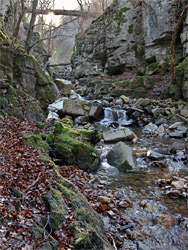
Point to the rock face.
(27, 70)
(126, 34)
(121, 156)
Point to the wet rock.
(165, 220)
(173, 193)
(184, 112)
(64, 86)
(108, 98)
(104, 199)
(111, 213)
(160, 121)
(150, 128)
(125, 99)
(56, 106)
(160, 164)
(105, 103)
(82, 120)
(160, 130)
(53, 116)
(148, 109)
(125, 203)
(182, 129)
(178, 184)
(96, 110)
(156, 112)
(119, 102)
(131, 234)
(118, 135)
(121, 156)
(177, 134)
(155, 155)
(175, 125)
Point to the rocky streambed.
(146, 199)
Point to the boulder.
(118, 135)
(125, 99)
(82, 120)
(150, 128)
(175, 125)
(121, 156)
(96, 110)
(76, 107)
(64, 86)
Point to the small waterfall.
(117, 116)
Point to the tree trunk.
(17, 28)
(31, 26)
(173, 43)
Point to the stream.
(141, 184)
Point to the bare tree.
(31, 26)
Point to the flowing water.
(141, 184)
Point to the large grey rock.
(76, 107)
(121, 156)
(64, 86)
(96, 110)
(118, 135)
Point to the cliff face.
(128, 35)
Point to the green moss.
(67, 192)
(67, 122)
(41, 125)
(37, 141)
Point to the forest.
(93, 125)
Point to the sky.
(66, 4)
(61, 4)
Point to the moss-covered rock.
(71, 146)
(57, 207)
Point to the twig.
(33, 184)
(114, 244)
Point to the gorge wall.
(129, 35)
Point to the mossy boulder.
(69, 146)
(72, 147)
